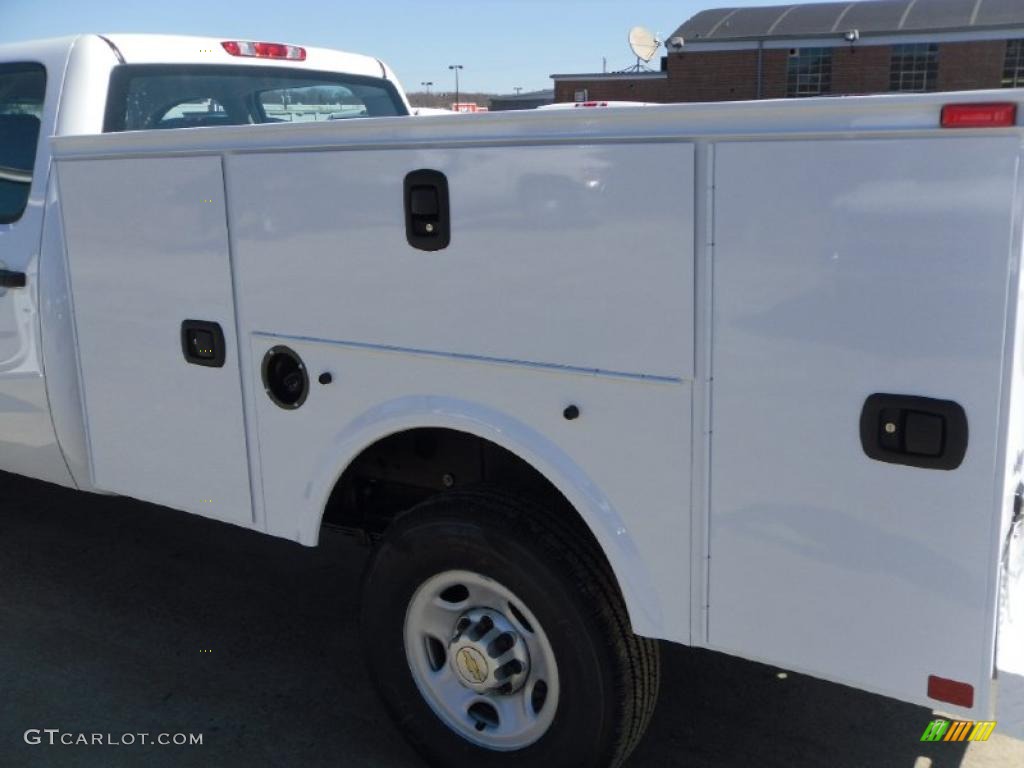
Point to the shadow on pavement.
(122, 617)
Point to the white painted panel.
(572, 255)
(630, 447)
(1010, 635)
(28, 444)
(1010, 645)
(842, 269)
(147, 249)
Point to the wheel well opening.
(403, 469)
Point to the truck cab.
(91, 84)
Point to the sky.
(500, 43)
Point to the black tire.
(608, 675)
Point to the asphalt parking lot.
(120, 617)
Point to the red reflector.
(979, 115)
(264, 50)
(950, 691)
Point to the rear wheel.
(496, 636)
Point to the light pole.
(427, 85)
(456, 68)
(518, 89)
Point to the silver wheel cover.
(481, 660)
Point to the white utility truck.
(743, 376)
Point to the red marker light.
(264, 50)
(271, 50)
(950, 691)
(1002, 115)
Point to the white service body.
(718, 287)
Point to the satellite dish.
(643, 42)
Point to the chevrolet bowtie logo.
(472, 665)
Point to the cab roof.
(184, 49)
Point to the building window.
(1013, 69)
(809, 72)
(580, 95)
(914, 67)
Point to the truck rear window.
(151, 97)
(22, 88)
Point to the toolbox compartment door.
(843, 270)
(147, 247)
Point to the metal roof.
(866, 16)
(548, 93)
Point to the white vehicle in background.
(431, 112)
(743, 376)
(595, 104)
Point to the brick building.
(816, 49)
